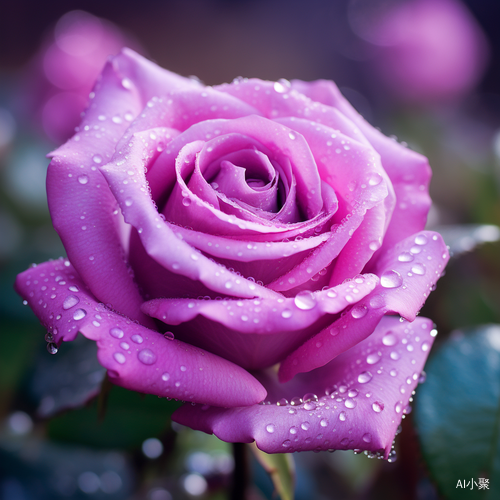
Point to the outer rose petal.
(409, 171)
(362, 396)
(136, 357)
(407, 274)
(80, 202)
(256, 334)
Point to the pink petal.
(80, 202)
(257, 333)
(409, 171)
(407, 274)
(362, 396)
(136, 357)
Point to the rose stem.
(241, 473)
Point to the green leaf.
(457, 414)
(129, 419)
(281, 469)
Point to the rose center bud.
(237, 176)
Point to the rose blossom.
(428, 51)
(63, 72)
(261, 224)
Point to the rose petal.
(407, 274)
(136, 357)
(409, 171)
(129, 186)
(257, 333)
(80, 202)
(362, 396)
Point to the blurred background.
(424, 71)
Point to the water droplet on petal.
(358, 312)
(421, 239)
(372, 358)
(342, 416)
(70, 301)
(391, 279)
(165, 377)
(304, 426)
(377, 406)
(364, 377)
(389, 339)
(97, 159)
(186, 202)
(83, 179)
(405, 257)
(79, 314)
(169, 335)
(270, 428)
(350, 403)
(367, 438)
(398, 408)
(117, 333)
(119, 357)
(418, 269)
(425, 346)
(137, 339)
(374, 179)
(147, 356)
(324, 422)
(287, 313)
(305, 300)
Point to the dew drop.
(287, 443)
(117, 333)
(425, 346)
(282, 402)
(418, 269)
(304, 426)
(421, 239)
(394, 355)
(165, 377)
(358, 312)
(377, 406)
(52, 348)
(119, 357)
(83, 179)
(73, 288)
(137, 339)
(186, 202)
(372, 358)
(364, 377)
(129, 202)
(374, 179)
(147, 356)
(389, 339)
(270, 428)
(287, 313)
(79, 314)
(405, 257)
(305, 300)
(342, 416)
(70, 301)
(350, 403)
(324, 422)
(125, 346)
(391, 279)
(398, 408)
(293, 430)
(169, 335)
(97, 159)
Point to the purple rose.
(62, 73)
(214, 233)
(428, 50)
